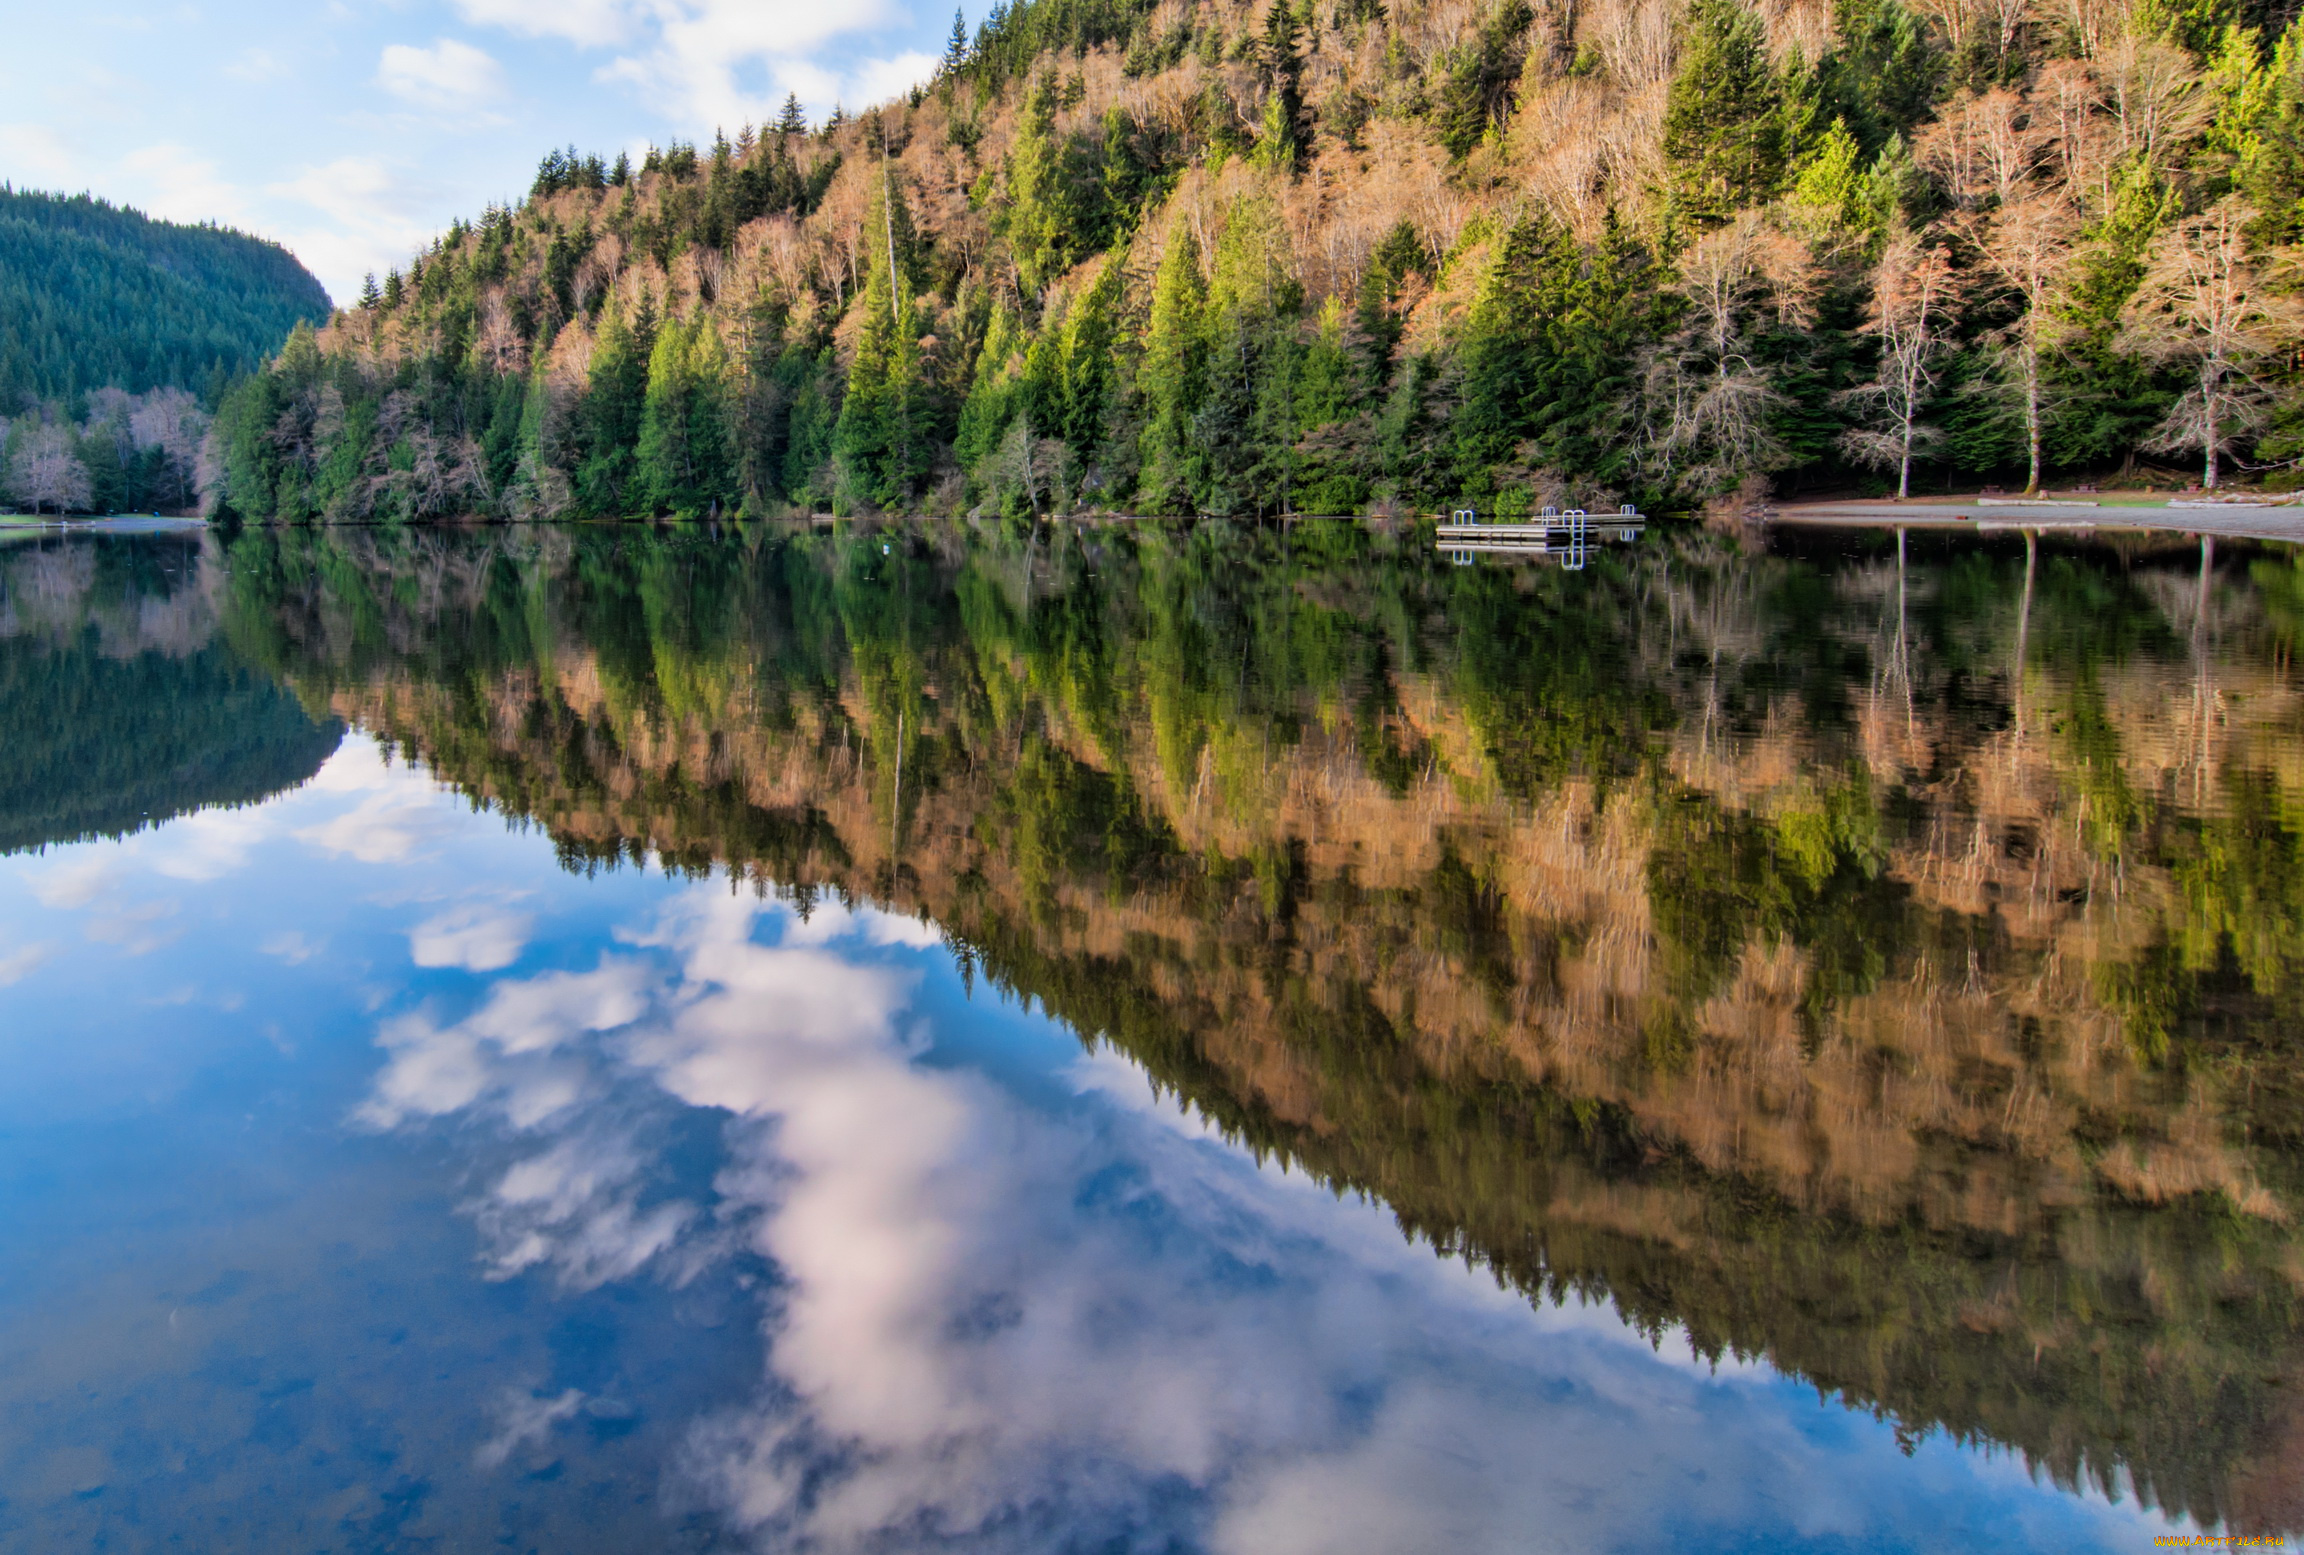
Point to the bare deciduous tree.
(2204, 306)
(2029, 245)
(1715, 400)
(1911, 305)
(45, 471)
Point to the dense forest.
(1915, 1008)
(1258, 256)
(118, 334)
(96, 296)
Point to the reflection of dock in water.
(1570, 536)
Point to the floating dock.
(1569, 536)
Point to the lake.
(1148, 1039)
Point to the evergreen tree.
(1091, 337)
(614, 404)
(883, 437)
(1724, 118)
(1174, 379)
(1045, 218)
(955, 47)
(1283, 136)
(793, 120)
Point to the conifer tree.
(882, 442)
(1174, 378)
(1043, 217)
(614, 404)
(956, 46)
(985, 414)
(1723, 121)
(793, 120)
(1091, 332)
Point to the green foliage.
(1724, 120)
(883, 440)
(1477, 96)
(1174, 379)
(104, 742)
(95, 295)
(684, 456)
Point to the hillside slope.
(1249, 257)
(94, 295)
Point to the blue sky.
(352, 130)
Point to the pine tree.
(614, 403)
(1723, 120)
(1043, 217)
(666, 459)
(369, 295)
(956, 46)
(1174, 379)
(1091, 332)
(793, 120)
(1282, 138)
(883, 439)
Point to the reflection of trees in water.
(1868, 963)
(118, 706)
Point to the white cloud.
(37, 156)
(592, 23)
(880, 80)
(258, 65)
(478, 939)
(450, 75)
(23, 961)
(291, 947)
(177, 184)
(715, 63)
(366, 214)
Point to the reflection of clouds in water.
(403, 816)
(478, 939)
(209, 844)
(386, 828)
(507, 1049)
(1004, 1327)
(524, 1419)
(101, 884)
(70, 887)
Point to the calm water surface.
(1221, 1040)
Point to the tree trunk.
(2032, 416)
(2211, 421)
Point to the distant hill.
(94, 295)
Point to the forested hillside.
(96, 296)
(113, 329)
(1253, 256)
